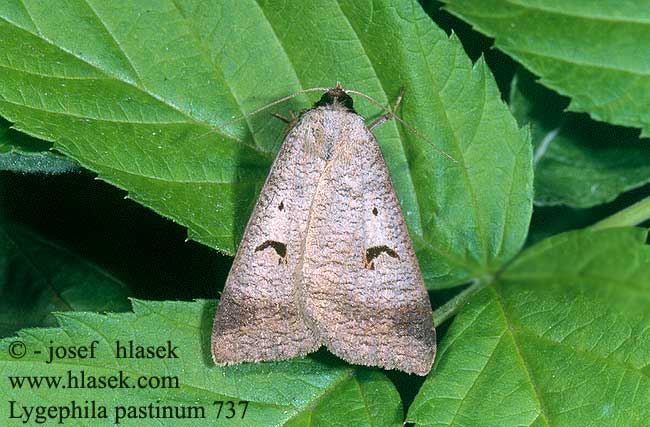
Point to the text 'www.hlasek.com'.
(95, 382)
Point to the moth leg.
(383, 119)
(292, 118)
(279, 247)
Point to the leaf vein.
(219, 71)
(550, 10)
(456, 140)
(517, 346)
(112, 36)
(97, 67)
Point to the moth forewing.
(364, 289)
(260, 315)
(326, 258)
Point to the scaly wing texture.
(363, 286)
(260, 314)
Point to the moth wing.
(364, 289)
(260, 314)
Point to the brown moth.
(326, 258)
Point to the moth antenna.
(276, 102)
(267, 106)
(384, 118)
(425, 139)
(391, 114)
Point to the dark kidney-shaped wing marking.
(260, 314)
(363, 287)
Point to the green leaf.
(20, 153)
(562, 338)
(365, 398)
(313, 391)
(144, 98)
(590, 51)
(38, 277)
(578, 162)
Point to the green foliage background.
(116, 145)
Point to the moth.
(326, 258)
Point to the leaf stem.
(630, 216)
(454, 305)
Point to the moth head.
(336, 96)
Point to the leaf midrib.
(474, 382)
(575, 276)
(585, 352)
(520, 355)
(105, 167)
(324, 392)
(209, 58)
(614, 20)
(573, 61)
(512, 49)
(457, 143)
